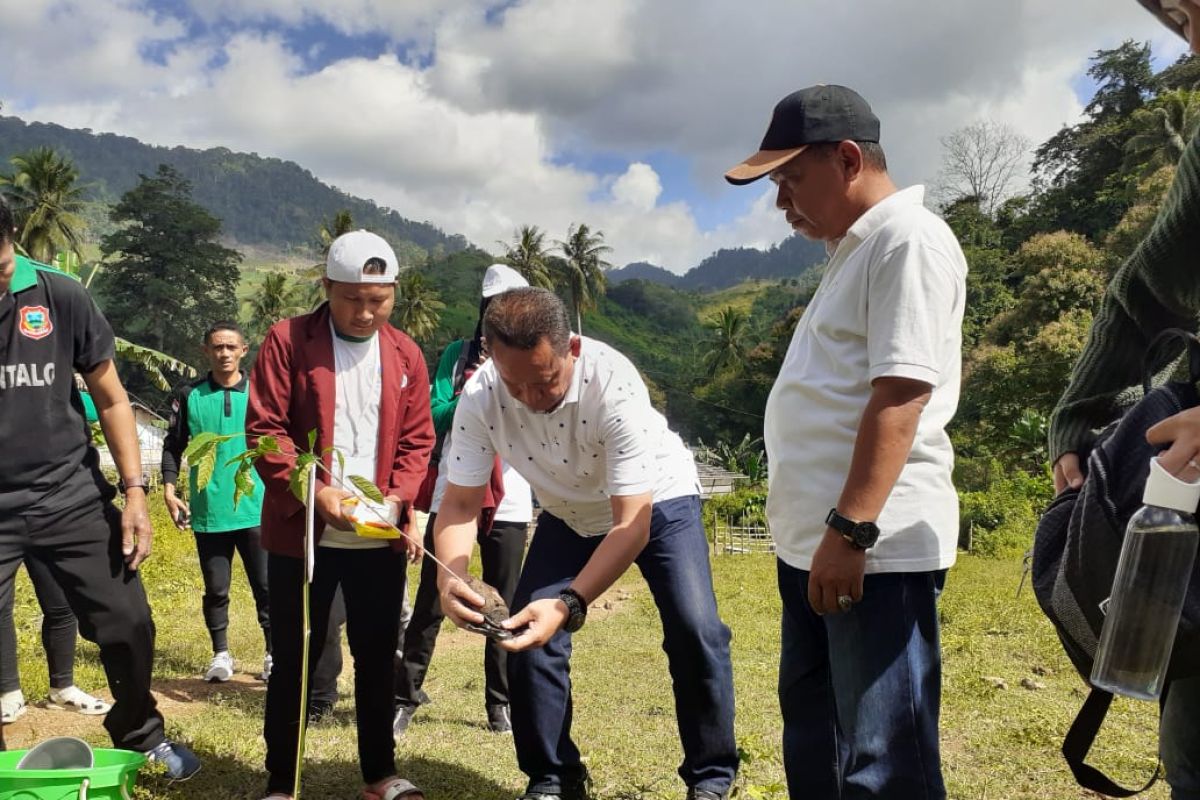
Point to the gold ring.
(844, 601)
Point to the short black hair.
(8, 223)
(521, 318)
(223, 325)
(872, 153)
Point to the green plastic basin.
(111, 778)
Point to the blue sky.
(480, 116)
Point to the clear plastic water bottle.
(1149, 589)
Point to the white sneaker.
(220, 669)
(73, 698)
(12, 705)
(268, 662)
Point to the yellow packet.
(371, 525)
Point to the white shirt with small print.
(603, 440)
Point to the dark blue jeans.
(861, 691)
(1179, 739)
(675, 566)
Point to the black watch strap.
(124, 487)
(576, 609)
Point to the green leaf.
(205, 464)
(299, 481)
(368, 489)
(267, 445)
(243, 482)
(312, 439)
(341, 459)
(200, 442)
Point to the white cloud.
(492, 132)
(639, 187)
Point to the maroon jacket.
(292, 392)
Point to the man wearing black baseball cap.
(860, 501)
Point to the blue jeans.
(675, 565)
(861, 691)
(1179, 739)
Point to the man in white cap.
(501, 532)
(361, 385)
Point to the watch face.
(865, 534)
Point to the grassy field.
(1001, 737)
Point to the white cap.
(350, 254)
(499, 278)
(1166, 491)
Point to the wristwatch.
(124, 487)
(576, 609)
(860, 535)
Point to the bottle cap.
(1166, 491)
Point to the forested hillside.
(260, 201)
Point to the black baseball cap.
(825, 113)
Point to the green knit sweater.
(1157, 288)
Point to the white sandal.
(12, 705)
(73, 698)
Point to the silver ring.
(1192, 463)
(845, 601)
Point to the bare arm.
(120, 431)
(885, 438)
(453, 539)
(541, 619)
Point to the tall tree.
(982, 160)
(584, 265)
(167, 278)
(46, 200)
(277, 297)
(418, 308)
(1075, 169)
(727, 341)
(526, 253)
(1162, 130)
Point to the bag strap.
(1191, 344)
(1079, 741)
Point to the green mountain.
(264, 202)
(791, 258)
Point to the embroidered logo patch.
(35, 322)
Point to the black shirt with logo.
(49, 329)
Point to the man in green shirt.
(1158, 287)
(216, 403)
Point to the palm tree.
(277, 297)
(727, 342)
(418, 308)
(584, 267)
(311, 293)
(46, 203)
(527, 255)
(1164, 129)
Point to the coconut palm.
(1164, 129)
(527, 255)
(310, 293)
(277, 297)
(727, 342)
(584, 267)
(46, 203)
(418, 308)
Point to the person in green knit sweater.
(1158, 287)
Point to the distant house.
(151, 431)
(717, 480)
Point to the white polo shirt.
(603, 440)
(889, 305)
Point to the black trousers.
(501, 552)
(59, 629)
(372, 584)
(216, 565)
(81, 549)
